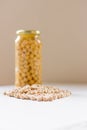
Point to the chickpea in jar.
(28, 67)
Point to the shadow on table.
(77, 126)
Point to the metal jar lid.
(33, 32)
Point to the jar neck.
(31, 36)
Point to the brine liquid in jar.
(28, 67)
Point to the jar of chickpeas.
(28, 58)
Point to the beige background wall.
(63, 24)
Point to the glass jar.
(28, 58)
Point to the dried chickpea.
(28, 58)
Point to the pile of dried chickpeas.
(38, 92)
(28, 61)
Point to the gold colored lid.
(33, 32)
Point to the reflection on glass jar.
(28, 58)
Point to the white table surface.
(63, 114)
